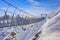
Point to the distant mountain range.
(21, 19)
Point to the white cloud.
(36, 11)
(36, 3)
(30, 0)
(33, 2)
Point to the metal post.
(12, 19)
(6, 14)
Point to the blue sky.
(34, 7)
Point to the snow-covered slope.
(51, 29)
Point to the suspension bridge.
(8, 21)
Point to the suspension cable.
(18, 8)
